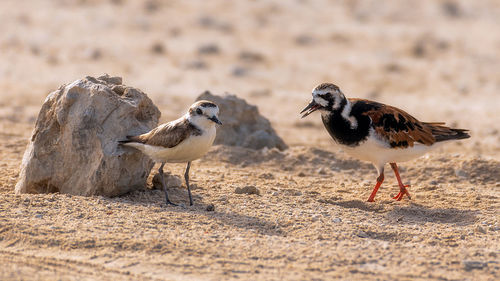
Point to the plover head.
(326, 97)
(204, 114)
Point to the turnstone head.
(183, 140)
(376, 132)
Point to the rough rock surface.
(74, 146)
(242, 124)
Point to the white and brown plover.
(376, 132)
(183, 140)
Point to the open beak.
(310, 108)
(215, 119)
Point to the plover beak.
(310, 108)
(215, 119)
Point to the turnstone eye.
(198, 111)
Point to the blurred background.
(438, 60)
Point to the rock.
(158, 48)
(74, 147)
(210, 208)
(249, 189)
(208, 49)
(171, 181)
(481, 229)
(242, 124)
(337, 220)
(470, 265)
(362, 234)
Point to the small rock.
(208, 49)
(433, 183)
(481, 229)
(251, 56)
(470, 265)
(170, 180)
(249, 189)
(196, 64)
(239, 71)
(451, 9)
(276, 193)
(158, 48)
(461, 173)
(267, 176)
(321, 171)
(39, 216)
(362, 234)
(301, 174)
(210, 208)
(337, 220)
(304, 39)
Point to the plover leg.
(186, 177)
(160, 171)
(402, 187)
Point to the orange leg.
(380, 179)
(402, 187)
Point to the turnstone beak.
(310, 108)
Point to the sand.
(435, 59)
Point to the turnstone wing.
(183, 140)
(376, 132)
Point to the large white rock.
(74, 146)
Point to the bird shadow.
(409, 213)
(355, 204)
(146, 198)
(420, 213)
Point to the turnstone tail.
(376, 132)
(183, 140)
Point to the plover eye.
(198, 111)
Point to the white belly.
(379, 153)
(190, 149)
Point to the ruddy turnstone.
(183, 140)
(376, 132)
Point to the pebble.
(362, 234)
(460, 173)
(208, 49)
(315, 218)
(39, 216)
(249, 189)
(337, 220)
(481, 229)
(470, 265)
(301, 174)
(210, 208)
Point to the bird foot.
(169, 203)
(402, 192)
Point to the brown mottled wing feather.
(401, 130)
(167, 135)
(397, 127)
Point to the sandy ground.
(436, 59)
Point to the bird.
(183, 140)
(376, 132)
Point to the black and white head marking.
(204, 114)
